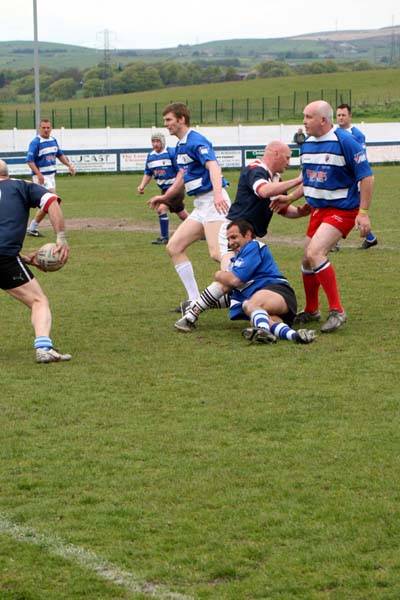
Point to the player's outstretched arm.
(57, 220)
(282, 201)
(67, 163)
(145, 181)
(175, 188)
(228, 280)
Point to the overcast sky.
(161, 24)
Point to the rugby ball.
(47, 260)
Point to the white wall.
(17, 140)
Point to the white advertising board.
(132, 161)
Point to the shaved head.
(3, 169)
(277, 156)
(318, 118)
(321, 108)
(277, 146)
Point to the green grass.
(217, 469)
(386, 85)
(18, 54)
(372, 103)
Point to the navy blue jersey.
(192, 153)
(16, 198)
(248, 204)
(256, 267)
(332, 166)
(44, 152)
(162, 166)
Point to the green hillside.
(17, 55)
(367, 86)
(374, 95)
(375, 46)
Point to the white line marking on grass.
(88, 560)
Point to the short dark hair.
(243, 226)
(344, 105)
(44, 121)
(179, 110)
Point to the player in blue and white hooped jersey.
(258, 291)
(343, 119)
(338, 185)
(160, 165)
(200, 174)
(42, 156)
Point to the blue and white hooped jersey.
(192, 153)
(256, 267)
(162, 166)
(332, 166)
(44, 152)
(358, 135)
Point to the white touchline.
(89, 560)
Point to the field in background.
(373, 46)
(217, 469)
(371, 102)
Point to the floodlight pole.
(36, 65)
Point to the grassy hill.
(373, 45)
(367, 86)
(374, 95)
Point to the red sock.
(327, 278)
(311, 288)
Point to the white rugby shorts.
(204, 210)
(49, 181)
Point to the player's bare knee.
(248, 307)
(173, 248)
(305, 263)
(309, 257)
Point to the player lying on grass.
(258, 292)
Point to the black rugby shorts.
(13, 272)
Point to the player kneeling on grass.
(16, 198)
(258, 292)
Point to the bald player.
(338, 185)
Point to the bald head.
(277, 156)
(318, 118)
(321, 108)
(3, 169)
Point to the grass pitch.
(196, 464)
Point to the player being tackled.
(254, 289)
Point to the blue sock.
(164, 225)
(371, 237)
(283, 331)
(44, 342)
(260, 319)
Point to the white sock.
(34, 225)
(186, 274)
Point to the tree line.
(107, 79)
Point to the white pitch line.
(88, 560)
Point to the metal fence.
(208, 112)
